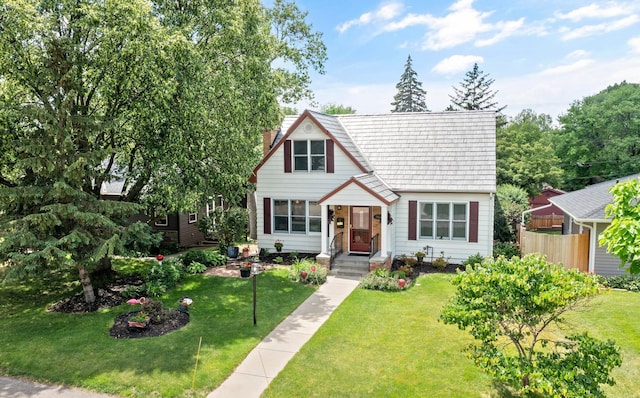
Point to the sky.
(543, 55)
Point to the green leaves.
(512, 303)
(621, 236)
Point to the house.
(176, 228)
(545, 215)
(584, 212)
(379, 186)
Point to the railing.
(374, 245)
(335, 248)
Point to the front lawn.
(392, 345)
(76, 349)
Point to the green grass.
(76, 349)
(392, 345)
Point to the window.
(193, 217)
(296, 216)
(308, 155)
(161, 221)
(443, 220)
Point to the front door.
(360, 229)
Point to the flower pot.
(419, 258)
(232, 251)
(279, 249)
(245, 272)
(137, 324)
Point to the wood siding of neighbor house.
(274, 183)
(457, 250)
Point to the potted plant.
(278, 245)
(245, 270)
(138, 319)
(419, 256)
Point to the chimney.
(267, 139)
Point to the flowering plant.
(278, 244)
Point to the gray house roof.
(587, 204)
(420, 151)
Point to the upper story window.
(443, 221)
(309, 155)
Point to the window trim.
(309, 156)
(289, 215)
(160, 221)
(451, 221)
(193, 218)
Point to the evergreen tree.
(475, 92)
(411, 96)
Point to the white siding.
(274, 183)
(456, 249)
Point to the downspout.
(492, 203)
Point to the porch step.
(350, 266)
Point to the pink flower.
(313, 268)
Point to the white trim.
(193, 218)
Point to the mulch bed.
(109, 296)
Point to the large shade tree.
(411, 95)
(600, 136)
(525, 154)
(168, 98)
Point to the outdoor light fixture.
(255, 270)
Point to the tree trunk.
(253, 214)
(87, 287)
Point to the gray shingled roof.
(375, 184)
(587, 204)
(420, 151)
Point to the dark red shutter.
(287, 156)
(329, 156)
(267, 215)
(413, 219)
(473, 221)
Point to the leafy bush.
(226, 225)
(473, 260)
(132, 291)
(626, 282)
(161, 278)
(138, 239)
(308, 271)
(440, 262)
(196, 268)
(209, 258)
(506, 249)
(382, 279)
(278, 260)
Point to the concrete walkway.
(257, 370)
(269, 357)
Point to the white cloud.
(611, 10)
(634, 44)
(590, 30)
(567, 68)
(577, 54)
(456, 64)
(384, 13)
(507, 29)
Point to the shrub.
(132, 291)
(473, 260)
(506, 249)
(407, 270)
(278, 260)
(196, 268)
(440, 262)
(626, 282)
(161, 278)
(382, 279)
(209, 258)
(308, 271)
(138, 239)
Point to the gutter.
(524, 213)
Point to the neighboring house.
(543, 214)
(176, 228)
(379, 185)
(584, 211)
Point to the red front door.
(360, 229)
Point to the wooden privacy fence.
(570, 250)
